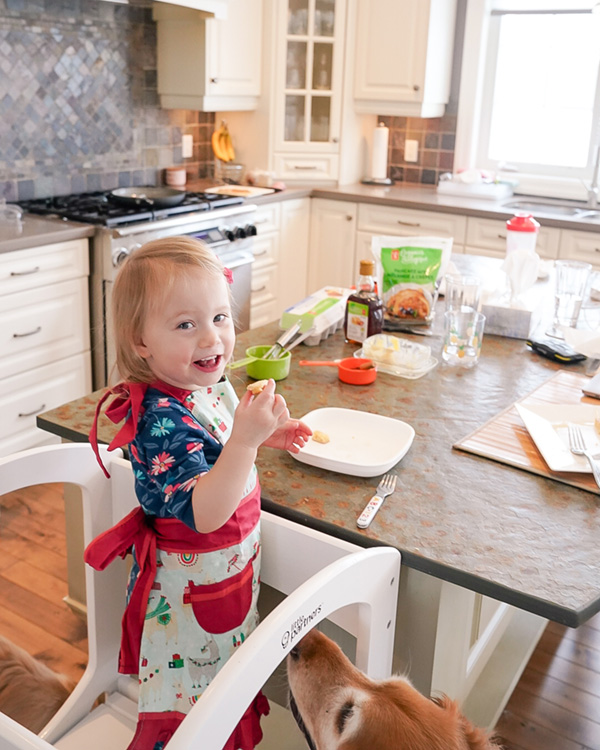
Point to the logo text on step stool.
(299, 625)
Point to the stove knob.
(250, 230)
(119, 254)
(240, 233)
(230, 235)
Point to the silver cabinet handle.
(25, 273)
(29, 333)
(299, 166)
(501, 236)
(256, 291)
(31, 413)
(409, 223)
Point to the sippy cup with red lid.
(521, 233)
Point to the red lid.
(522, 223)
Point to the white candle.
(380, 152)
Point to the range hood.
(216, 8)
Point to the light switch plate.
(187, 146)
(411, 150)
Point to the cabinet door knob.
(349, 217)
(416, 87)
(214, 80)
(335, 140)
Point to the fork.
(385, 487)
(577, 447)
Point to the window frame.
(477, 76)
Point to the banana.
(222, 145)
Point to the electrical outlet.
(411, 150)
(187, 146)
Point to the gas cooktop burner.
(97, 208)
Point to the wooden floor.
(555, 706)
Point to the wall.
(79, 108)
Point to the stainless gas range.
(225, 224)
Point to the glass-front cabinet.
(310, 86)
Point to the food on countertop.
(391, 350)
(597, 422)
(409, 272)
(222, 145)
(320, 437)
(257, 387)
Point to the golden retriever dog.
(30, 692)
(340, 708)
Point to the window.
(530, 105)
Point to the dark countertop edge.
(569, 617)
(58, 231)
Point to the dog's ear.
(476, 738)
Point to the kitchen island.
(489, 552)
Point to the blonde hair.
(143, 281)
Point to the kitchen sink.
(555, 208)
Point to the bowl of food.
(259, 368)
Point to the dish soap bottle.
(364, 309)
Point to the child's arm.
(218, 492)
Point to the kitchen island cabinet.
(479, 578)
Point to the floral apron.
(192, 604)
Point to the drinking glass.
(463, 332)
(570, 283)
(462, 292)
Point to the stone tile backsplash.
(435, 136)
(79, 108)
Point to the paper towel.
(379, 158)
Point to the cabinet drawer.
(34, 267)
(43, 325)
(266, 218)
(405, 222)
(490, 234)
(262, 314)
(24, 396)
(264, 285)
(299, 168)
(583, 246)
(265, 249)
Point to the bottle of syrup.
(364, 309)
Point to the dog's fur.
(30, 692)
(340, 708)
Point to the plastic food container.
(397, 356)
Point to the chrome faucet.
(592, 201)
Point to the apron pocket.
(223, 606)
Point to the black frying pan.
(153, 197)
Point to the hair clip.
(228, 273)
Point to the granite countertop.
(34, 231)
(503, 532)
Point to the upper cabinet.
(205, 63)
(310, 54)
(217, 8)
(403, 56)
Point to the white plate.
(360, 443)
(246, 191)
(547, 425)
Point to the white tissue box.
(512, 322)
(493, 191)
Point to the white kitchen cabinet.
(45, 356)
(209, 64)
(407, 222)
(404, 56)
(331, 256)
(583, 246)
(488, 237)
(279, 272)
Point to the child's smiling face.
(188, 338)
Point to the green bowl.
(263, 369)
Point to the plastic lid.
(367, 267)
(522, 223)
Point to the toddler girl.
(196, 539)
